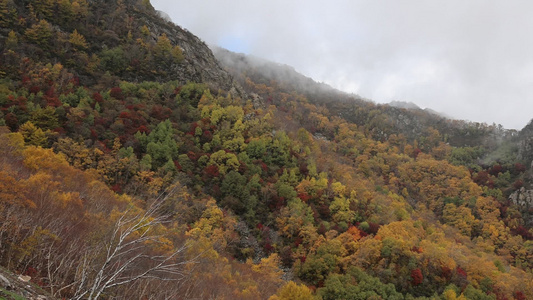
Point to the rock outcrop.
(199, 65)
(525, 143)
(523, 198)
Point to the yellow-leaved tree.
(293, 291)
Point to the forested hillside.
(132, 166)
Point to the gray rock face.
(525, 143)
(199, 65)
(257, 101)
(523, 198)
(525, 148)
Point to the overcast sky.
(469, 59)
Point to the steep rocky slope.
(199, 63)
(128, 39)
(525, 143)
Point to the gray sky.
(469, 59)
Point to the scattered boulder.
(24, 278)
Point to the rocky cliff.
(525, 144)
(199, 65)
(120, 38)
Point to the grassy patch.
(7, 295)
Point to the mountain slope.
(132, 167)
(127, 39)
(381, 120)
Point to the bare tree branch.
(127, 255)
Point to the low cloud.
(468, 59)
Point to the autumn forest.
(135, 165)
